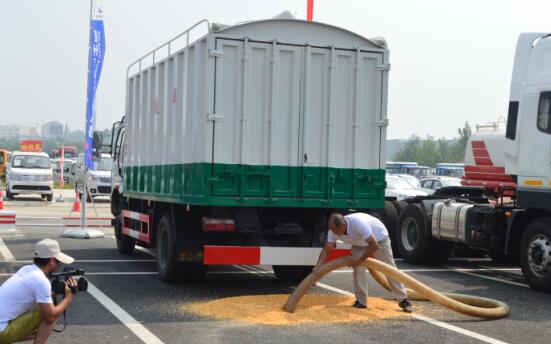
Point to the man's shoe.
(406, 306)
(359, 305)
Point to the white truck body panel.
(528, 155)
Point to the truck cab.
(528, 134)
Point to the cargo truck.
(429, 227)
(244, 140)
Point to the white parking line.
(5, 252)
(463, 331)
(495, 279)
(431, 321)
(146, 251)
(133, 325)
(94, 261)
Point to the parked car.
(437, 182)
(99, 179)
(400, 188)
(29, 173)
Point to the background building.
(52, 129)
(15, 131)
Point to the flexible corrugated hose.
(474, 306)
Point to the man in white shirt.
(26, 306)
(369, 238)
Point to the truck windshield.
(69, 155)
(105, 164)
(31, 161)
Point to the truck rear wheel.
(535, 254)
(125, 244)
(389, 217)
(169, 268)
(414, 241)
(291, 273)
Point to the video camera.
(59, 279)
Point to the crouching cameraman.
(27, 310)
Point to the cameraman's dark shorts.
(21, 327)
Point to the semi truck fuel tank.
(450, 221)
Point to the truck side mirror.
(97, 140)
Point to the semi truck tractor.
(236, 146)
(429, 227)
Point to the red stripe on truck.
(230, 255)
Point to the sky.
(451, 60)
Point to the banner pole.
(83, 232)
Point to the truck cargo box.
(272, 113)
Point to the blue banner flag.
(95, 62)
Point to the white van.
(30, 173)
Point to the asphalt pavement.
(127, 302)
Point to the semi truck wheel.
(291, 274)
(169, 268)
(125, 244)
(399, 206)
(414, 241)
(535, 254)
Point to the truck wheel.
(399, 206)
(535, 254)
(291, 274)
(414, 241)
(116, 204)
(125, 244)
(49, 198)
(389, 218)
(166, 250)
(170, 270)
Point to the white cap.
(49, 248)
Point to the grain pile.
(314, 308)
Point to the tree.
(429, 151)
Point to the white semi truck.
(428, 227)
(244, 140)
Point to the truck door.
(341, 134)
(256, 119)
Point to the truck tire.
(116, 203)
(535, 254)
(49, 198)
(414, 241)
(170, 270)
(292, 274)
(389, 218)
(399, 206)
(125, 244)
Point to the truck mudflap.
(261, 255)
(132, 220)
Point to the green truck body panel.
(259, 186)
